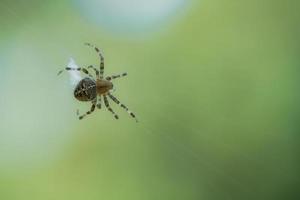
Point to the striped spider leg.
(109, 108)
(101, 58)
(94, 102)
(122, 106)
(99, 102)
(109, 78)
(96, 71)
(82, 69)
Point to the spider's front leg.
(109, 108)
(116, 76)
(101, 58)
(96, 71)
(94, 102)
(122, 106)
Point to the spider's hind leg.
(94, 102)
(123, 106)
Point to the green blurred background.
(215, 85)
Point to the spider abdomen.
(85, 90)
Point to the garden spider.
(88, 89)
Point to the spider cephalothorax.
(89, 89)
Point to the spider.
(88, 88)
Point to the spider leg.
(108, 107)
(99, 103)
(116, 76)
(123, 106)
(90, 111)
(101, 58)
(96, 70)
(84, 70)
